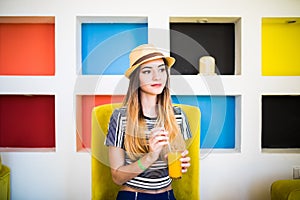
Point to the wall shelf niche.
(27, 46)
(99, 39)
(280, 46)
(84, 107)
(280, 123)
(27, 122)
(194, 37)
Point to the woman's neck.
(149, 105)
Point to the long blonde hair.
(135, 138)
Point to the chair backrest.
(102, 185)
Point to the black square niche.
(280, 121)
(190, 41)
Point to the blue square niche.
(105, 47)
(217, 119)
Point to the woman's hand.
(158, 139)
(185, 161)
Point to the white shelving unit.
(246, 173)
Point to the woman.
(141, 132)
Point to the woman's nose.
(156, 75)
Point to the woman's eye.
(146, 71)
(162, 69)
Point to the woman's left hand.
(185, 161)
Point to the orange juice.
(174, 164)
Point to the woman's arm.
(122, 173)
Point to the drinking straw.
(169, 145)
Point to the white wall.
(66, 174)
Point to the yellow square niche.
(281, 46)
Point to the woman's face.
(153, 76)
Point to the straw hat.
(144, 53)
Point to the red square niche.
(27, 121)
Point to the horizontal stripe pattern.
(156, 176)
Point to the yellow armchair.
(285, 190)
(4, 181)
(103, 188)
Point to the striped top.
(156, 176)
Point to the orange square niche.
(85, 105)
(27, 46)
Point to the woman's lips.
(156, 85)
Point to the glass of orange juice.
(174, 164)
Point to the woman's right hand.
(158, 139)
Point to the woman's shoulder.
(177, 110)
(120, 111)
